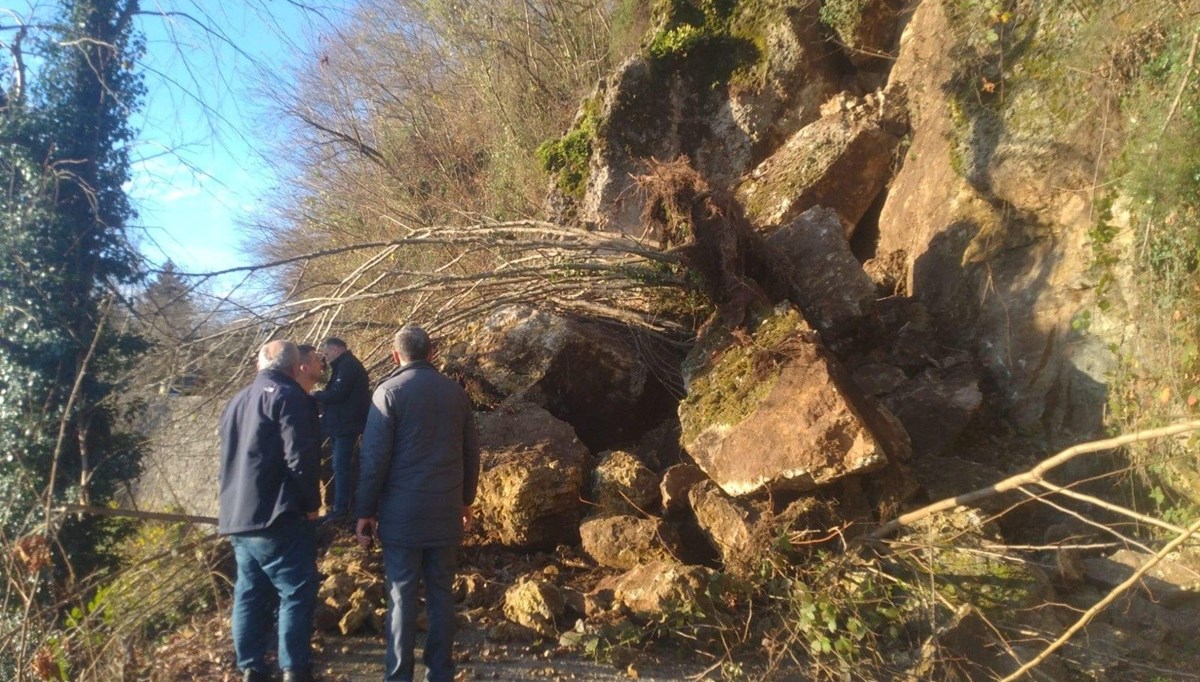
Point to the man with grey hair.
(270, 494)
(420, 470)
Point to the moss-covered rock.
(719, 82)
(965, 572)
(841, 162)
(775, 409)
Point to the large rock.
(180, 468)
(841, 162)
(647, 591)
(999, 241)
(777, 410)
(532, 477)
(637, 125)
(820, 274)
(676, 485)
(727, 525)
(878, 378)
(794, 76)
(627, 541)
(1168, 582)
(534, 604)
(585, 373)
(936, 407)
(659, 448)
(621, 484)
(664, 109)
(968, 648)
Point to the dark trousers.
(343, 467)
(276, 567)
(406, 568)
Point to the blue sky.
(202, 164)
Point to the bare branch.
(1032, 476)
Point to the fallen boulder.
(665, 108)
(583, 372)
(621, 484)
(879, 378)
(727, 525)
(968, 648)
(936, 406)
(867, 28)
(676, 484)
(777, 410)
(532, 477)
(534, 604)
(820, 274)
(649, 590)
(627, 541)
(841, 161)
(1168, 582)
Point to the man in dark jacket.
(345, 401)
(270, 492)
(420, 469)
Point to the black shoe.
(253, 675)
(297, 676)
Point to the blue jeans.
(343, 487)
(275, 567)
(405, 568)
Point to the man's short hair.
(335, 341)
(278, 355)
(305, 349)
(412, 343)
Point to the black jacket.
(270, 454)
(419, 458)
(346, 398)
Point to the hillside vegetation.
(742, 290)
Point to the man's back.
(270, 451)
(420, 458)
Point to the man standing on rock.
(420, 469)
(270, 493)
(345, 400)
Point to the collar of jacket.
(418, 364)
(338, 360)
(280, 377)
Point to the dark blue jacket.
(346, 398)
(270, 454)
(419, 458)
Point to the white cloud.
(179, 193)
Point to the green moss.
(708, 38)
(732, 387)
(799, 173)
(966, 570)
(568, 156)
(990, 584)
(844, 17)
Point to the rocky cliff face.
(939, 143)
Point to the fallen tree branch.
(1033, 476)
(133, 514)
(1100, 605)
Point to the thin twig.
(1032, 476)
(1100, 605)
